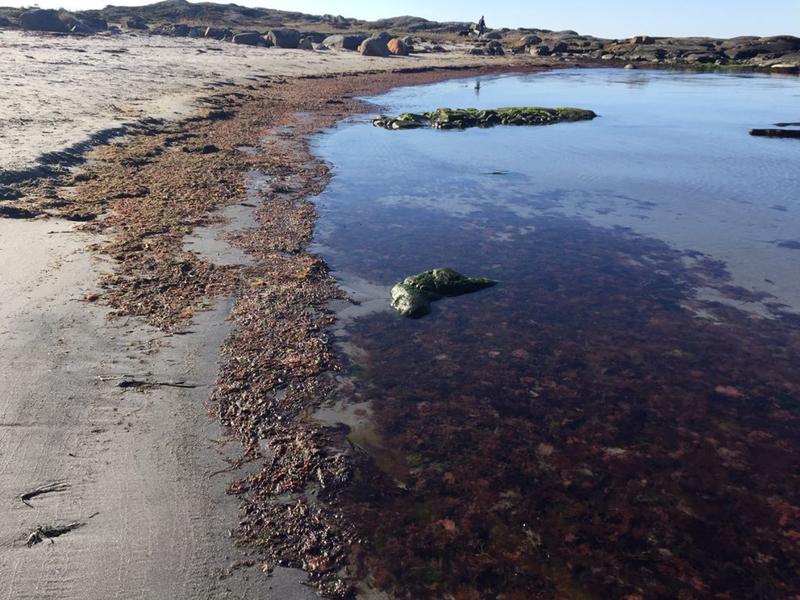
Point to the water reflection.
(609, 421)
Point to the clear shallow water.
(602, 423)
(670, 157)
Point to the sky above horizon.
(612, 18)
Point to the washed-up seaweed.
(464, 118)
(146, 193)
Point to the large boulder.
(42, 20)
(305, 43)
(284, 38)
(494, 48)
(216, 33)
(344, 42)
(527, 41)
(85, 25)
(136, 23)
(374, 46)
(174, 29)
(398, 47)
(248, 38)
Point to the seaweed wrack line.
(464, 118)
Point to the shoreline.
(247, 155)
(151, 190)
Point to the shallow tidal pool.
(620, 416)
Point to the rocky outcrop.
(463, 118)
(284, 38)
(413, 296)
(746, 51)
(42, 20)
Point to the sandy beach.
(176, 416)
(59, 91)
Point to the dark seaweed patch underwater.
(620, 416)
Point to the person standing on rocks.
(482, 26)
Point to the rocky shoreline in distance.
(291, 30)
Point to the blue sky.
(611, 18)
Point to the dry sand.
(56, 91)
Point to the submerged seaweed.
(464, 118)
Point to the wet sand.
(135, 465)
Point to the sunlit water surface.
(618, 416)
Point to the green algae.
(413, 296)
(464, 118)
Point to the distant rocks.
(9, 193)
(284, 38)
(42, 20)
(377, 45)
(494, 48)
(248, 38)
(85, 25)
(137, 23)
(781, 53)
(344, 42)
(215, 33)
(776, 133)
(398, 47)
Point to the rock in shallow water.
(413, 296)
(463, 118)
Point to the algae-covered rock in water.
(463, 118)
(413, 296)
(409, 301)
(404, 121)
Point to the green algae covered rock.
(409, 301)
(413, 296)
(464, 118)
